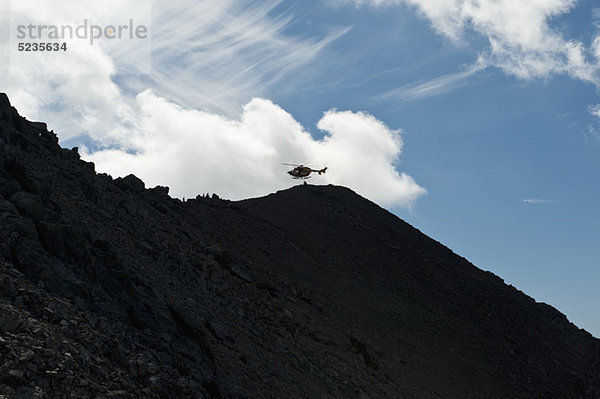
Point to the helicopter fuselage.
(303, 172)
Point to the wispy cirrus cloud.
(594, 127)
(538, 201)
(219, 55)
(434, 87)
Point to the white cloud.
(594, 128)
(521, 41)
(538, 201)
(433, 87)
(73, 91)
(596, 48)
(196, 152)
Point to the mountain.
(112, 290)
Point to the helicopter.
(303, 172)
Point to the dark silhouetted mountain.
(109, 289)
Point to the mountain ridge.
(309, 292)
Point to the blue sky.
(473, 121)
(511, 165)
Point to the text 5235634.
(41, 47)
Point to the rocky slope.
(109, 289)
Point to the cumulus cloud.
(73, 91)
(196, 151)
(521, 40)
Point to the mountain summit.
(110, 289)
